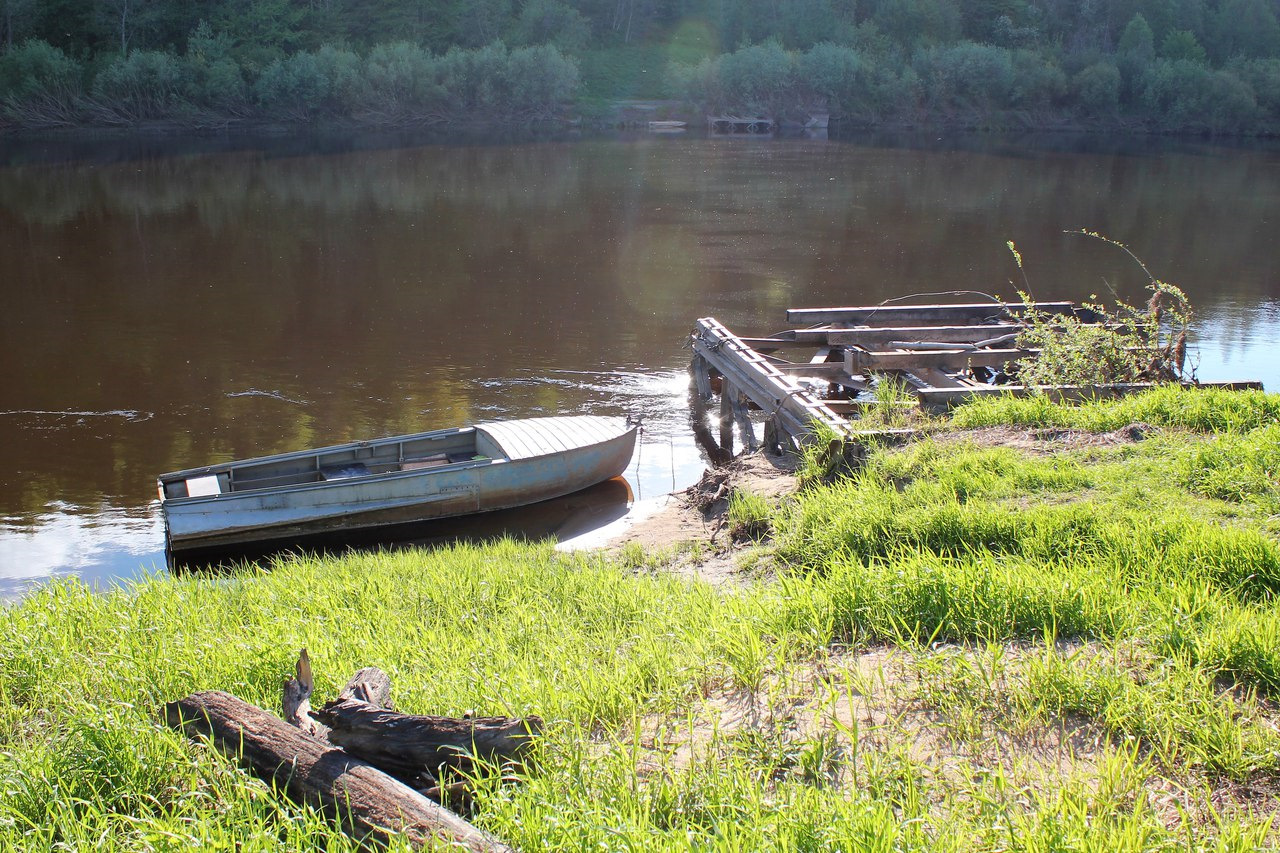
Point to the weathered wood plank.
(822, 368)
(899, 315)
(796, 408)
(938, 378)
(369, 803)
(858, 360)
(872, 337)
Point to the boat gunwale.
(235, 464)
(379, 476)
(342, 482)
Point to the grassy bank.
(1059, 635)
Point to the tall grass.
(1022, 593)
(1201, 410)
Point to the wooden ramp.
(818, 372)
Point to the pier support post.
(746, 432)
(727, 395)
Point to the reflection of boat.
(439, 474)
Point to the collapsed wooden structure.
(818, 372)
(378, 772)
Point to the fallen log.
(409, 744)
(369, 803)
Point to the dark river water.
(215, 299)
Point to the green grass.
(1123, 593)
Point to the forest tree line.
(1168, 65)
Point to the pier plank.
(898, 315)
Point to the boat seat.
(434, 461)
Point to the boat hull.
(517, 478)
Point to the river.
(169, 303)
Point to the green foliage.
(37, 69)
(552, 22)
(749, 515)
(1190, 65)
(967, 77)
(146, 84)
(401, 76)
(1097, 88)
(1109, 345)
(1187, 95)
(1182, 44)
(758, 79)
(1203, 410)
(1238, 467)
(308, 85)
(997, 598)
(543, 79)
(214, 78)
(1247, 28)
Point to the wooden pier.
(739, 125)
(945, 354)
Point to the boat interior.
(364, 459)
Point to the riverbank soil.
(692, 529)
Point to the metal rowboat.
(440, 474)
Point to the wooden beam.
(858, 360)
(825, 369)
(898, 315)
(796, 408)
(872, 337)
(938, 378)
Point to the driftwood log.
(369, 803)
(405, 745)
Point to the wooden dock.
(739, 125)
(818, 373)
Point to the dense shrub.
(476, 81)
(401, 76)
(1038, 82)
(1097, 88)
(1184, 95)
(37, 69)
(758, 78)
(214, 79)
(966, 77)
(552, 22)
(146, 84)
(308, 85)
(1263, 78)
(542, 79)
(855, 85)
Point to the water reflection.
(176, 306)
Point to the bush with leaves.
(39, 84)
(1107, 345)
(542, 79)
(401, 78)
(966, 77)
(1096, 88)
(146, 84)
(555, 23)
(310, 84)
(758, 79)
(214, 79)
(1185, 95)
